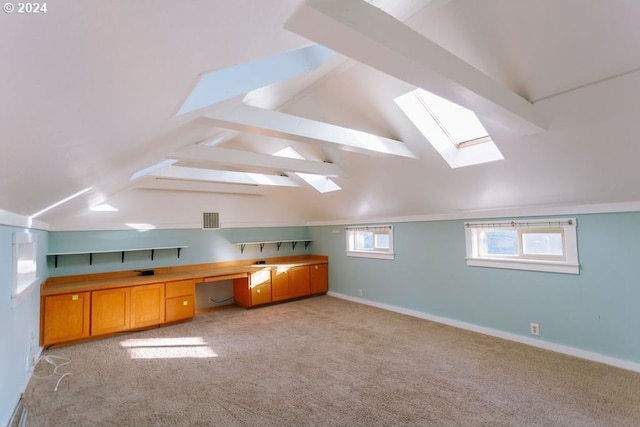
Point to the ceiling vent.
(210, 221)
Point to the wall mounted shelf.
(278, 243)
(122, 251)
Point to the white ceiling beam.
(228, 157)
(212, 175)
(153, 183)
(365, 33)
(285, 126)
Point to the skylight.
(237, 80)
(454, 131)
(461, 125)
(320, 182)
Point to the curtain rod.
(516, 224)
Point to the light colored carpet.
(326, 362)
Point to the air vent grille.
(210, 221)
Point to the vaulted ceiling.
(162, 110)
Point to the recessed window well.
(454, 131)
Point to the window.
(540, 245)
(25, 265)
(370, 241)
(320, 182)
(454, 131)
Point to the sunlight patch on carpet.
(168, 348)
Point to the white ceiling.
(91, 92)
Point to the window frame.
(566, 263)
(380, 253)
(25, 247)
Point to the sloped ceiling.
(92, 90)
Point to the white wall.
(20, 323)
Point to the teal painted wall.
(597, 310)
(203, 247)
(20, 324)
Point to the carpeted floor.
(326, 362)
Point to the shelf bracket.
(261, 247)
(122, 260)
(152, 254)
(306, 243)
(90, 258)
(293, 245)
(242, 245)
(179, 252)
(278, 245)
(55, 262)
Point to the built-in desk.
(80, 307)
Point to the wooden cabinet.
(66, 317)
(180, 300)
(253, 290)
(319, 277)
(290, 282)
(260, 283)
(110, 311)
(76, 308)
(147, 305)
(300, 281)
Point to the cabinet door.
(147, 305)
(261, 286)
(180, 308)
(66, 317)
(110, 311)
(319, 278)
(299, 278)
(280, 287)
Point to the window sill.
(548, 266)
(377, 255)
(17, 298)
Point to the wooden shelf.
(122, 251)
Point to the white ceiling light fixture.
(320, 182)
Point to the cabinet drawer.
(179, 308)
(180, 288)
(261, 294)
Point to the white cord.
(50, 359)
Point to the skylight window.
(233, 81)
(459, 124)
(320, 182)
(454, 131)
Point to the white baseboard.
(558, 348)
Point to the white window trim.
(569, 266)
(389, 254)
(23, 285)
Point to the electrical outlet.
(535, 329)
(359, 292)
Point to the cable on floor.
(51, 359)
